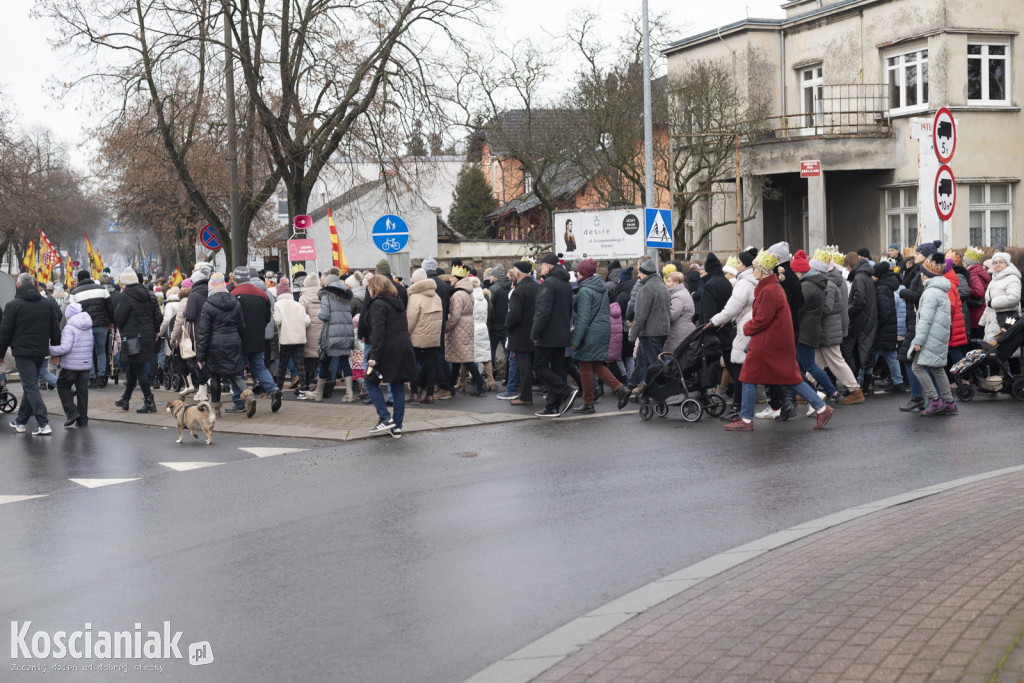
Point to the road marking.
(269, 452)
(186, 466)
(15, 499)
(96, 483)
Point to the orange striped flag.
(176, 277)
(337, 252)
(29, 261)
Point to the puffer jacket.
(138, 315)
(458, 340)
(593, 331)
(978, 280)
(912, 296)
(963, 288)
(499, 297)
(337, 333)
(863, 311)
(310, 301)
(738, 308)
(653, 310)
(888, 328)
(219, 335)
(835, 274)
(95, 300)
(681, 312)
(812, 308)
(178, 325)
(75, 349)
(553, 310)
(167, 324)
(481, 335)
(425, 315)
(291, 319)
(615, 339)
(958, 333)
(29, 326)
(1003, 293)
(934, 323)
(268, 331)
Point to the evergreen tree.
(416, 146)
(472, 201)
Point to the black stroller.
(8, 402)
(684, 378)
(972, 372)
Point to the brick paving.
(930, 590)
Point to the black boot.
(480, 390)
(122, 402)
(148, 406)
(787, 410)
(914, 405)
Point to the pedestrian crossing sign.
(659, 228)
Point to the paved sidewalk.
(928, 590)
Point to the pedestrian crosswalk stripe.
(186, 466)
(95, 483)
(15, 499)
(268, 452)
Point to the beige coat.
(458, 341)
(310, 300)
(425, 315)
(291, 320)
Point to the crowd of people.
(825, 329)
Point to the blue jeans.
(650, 347)
(377, 398)
(260, 374)
(366, 354)
(46, 376)
(32, 399)
(803, 389)
(512, 385)
(99, 348)
(805, 359)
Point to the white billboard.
(599, 234)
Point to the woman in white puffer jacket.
(481, 334)
(1002, 298)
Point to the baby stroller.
(8, 402)
(684, 378)
(972, 372)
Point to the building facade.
(848, 83)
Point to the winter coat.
(178, 326)
(196, 300)
(337, 333)
(901, 313)
(1003, 293)
(835, 274)
(958, 333)
(554, 310)
(591, 336)
(499, 299)
(771, 357)
(95, 300)
(615, 338)
(391, 347)
(170, 313)
(832, 313)
(963, 288)
(863, 311)
(681, 314)
(978, 279)
(716, 293)
(424, 315)
(75, 349)
(219, 335)
(738, 309)
(912, 296)
(458, 339)
(291, 319)
(620, 294)
(481, 331)
(653, 310)
(634, 291)
(256, 312)
(310, 301)
(29, 326)
(522, 306)
(444, 293)
(138, 315)
(794, 293)
(934, 323)
(812, 310)
(268, 329)
(885, 292)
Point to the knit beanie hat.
(864, 253)
(881, 268)
(419, 275)
(780, 249)
(1007, 259)
(283, 286)
(712, 264)
(498, 271)
(949, 265)
(383, 267)
(429, 265)
(84, 275)
(186, 283)
(746, 258)
(201, 273)
(821, 260)
(973, 256)
(626, 274)
(128, 277)
(523, 266)
(331, 279)
(926, 249)
(217, 283)
(800, 264)
(894, 246)
(649, 267)
(549, 258)
(586, 268)
(240, 275)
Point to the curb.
(534, 659)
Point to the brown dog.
(200, 416)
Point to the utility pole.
(649, 129)
(239, 248)
(739, 200)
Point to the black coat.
(499, 300)
(138, 315)
(863, 312)
(29, 325)
(364, 320)
(256, 313)
(391, 347)
(94, 300)
(812, 288)
(885, 291)
(196, 299)
(715, 292)
(794, 294)
(444, 293)
(522, 306)
(554, 310)
(219, 335)
(912, 295)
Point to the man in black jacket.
(522, 306)
(499, 289)
(551, 334)
(29, 328)
(256, 313)
(95, 300)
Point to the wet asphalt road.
(428, 558)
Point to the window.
(990, 215)
(282, 207)
(987, 73)
(527, 183)
(907, 77)
(901, 215)
(810, 100)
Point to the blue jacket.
(75, 349)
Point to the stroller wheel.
(8, 403)
(176, 383)
(965, 391)
(646, 411)
(715, 406)
(1017, 389)
(691, 410)
(660, 409)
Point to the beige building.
(847, 82)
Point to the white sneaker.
(17, 427)
(202, 394)
(42, 431)
(811, 412)
(768, 413)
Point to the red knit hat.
(586, 268)
(800, 264)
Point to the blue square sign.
(659, 228)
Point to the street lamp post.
(648, 128)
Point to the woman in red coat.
(771, 356)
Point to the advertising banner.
(599, 234)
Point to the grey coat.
(934, 323)
(681, 312)
(338, 335)
(652, 314)
(842, 300)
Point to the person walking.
(391, 359)
(309, 298)
(459, 335)
(859, 346)
(1003, 296)
(978, 279)
(74, 356)
(291, 320)
(771, 357)
(737, 311)
(551, 335)
(681, 312)
(931, 339)
(887, 340)
(219, 344)
(179, 339)
(337, 337)
(28, 328)
(813, 285)
(651, 321)
(522, 307)
(425, 320)
(500, 287)
(591, 336)
(257, 314)
(138, 319)
(95, 300)
(482, 312)
(193, 307)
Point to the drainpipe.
(782, 76)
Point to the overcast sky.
(30, 65)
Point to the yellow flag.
(29, 262)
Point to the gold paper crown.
(734, 263)
(975, 254)
(822, 255)
(668, 268)
(460, 271)
(767, 260)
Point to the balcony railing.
(846, 110)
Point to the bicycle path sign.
(390, 234)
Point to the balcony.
(851, 110)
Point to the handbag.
(187, 346)
(132, 345)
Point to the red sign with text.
(301, 250)
(810, 169)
